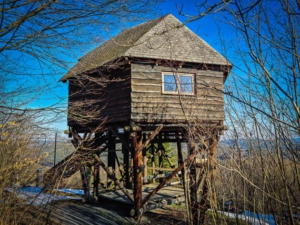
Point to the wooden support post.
(85, 184)
(144, 147)
(137, 172)
(203, 200)
(180, 157)
(126, 149)
(39, 179)
(96, 176)
(145, 172)
(153, 161)
(126, 159)
(111, 155)
(145, 159)
(200, 178)
(194, 206)
(160, 156)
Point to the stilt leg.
(200, 177)
(210, 169)
(111, 156)
(180, 157)
(137, 173)
(85, 184)
(127, 165)
(160, 156)
(96, 176)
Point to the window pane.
(186, 84)
(170, 83)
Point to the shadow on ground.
(78, 213)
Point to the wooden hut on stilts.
(152, 84)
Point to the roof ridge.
(162, 38)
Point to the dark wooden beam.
(111, 155)
(85, 184)
(203, 198)
(180, 157)
(126, 161)
(137, 171)
(157, 130)
(160, 153)
(96, 177)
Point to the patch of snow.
(262, 217)
(253, 218)
(71, 191)
(35, 196)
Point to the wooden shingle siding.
(163, 38)
(148, 104)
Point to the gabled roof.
(163, 38)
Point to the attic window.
(178, 83)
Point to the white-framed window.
(178, 83)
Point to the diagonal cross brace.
(150, 195)
(111, 176)
(157, 130)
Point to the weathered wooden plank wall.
(115, 97)
(138, 96)
(148, 104)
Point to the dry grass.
(20, 154)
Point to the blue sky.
(36, 75)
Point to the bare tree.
(39, 41)
(260, 165)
